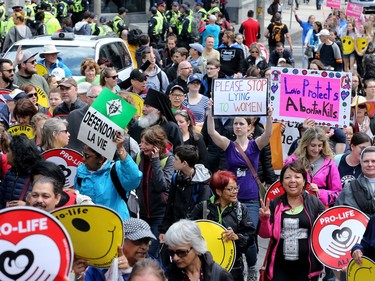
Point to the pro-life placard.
(334, 234)
(33, 246)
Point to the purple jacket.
(327, 178)
(271, 228)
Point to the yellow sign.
(347, 45)
(20, 129)
(138, 103)
(96, 232)
(363, 272)
(223, 253)
(42, 97)
(361, 43)
(41, 69)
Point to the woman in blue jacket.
(94, 177)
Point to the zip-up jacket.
(271, 228)
(327, 178)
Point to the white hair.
(186, 232)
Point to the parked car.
(368, 5)
(74, 48)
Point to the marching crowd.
(175, 159)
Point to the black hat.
(160, 101)
(122, 10)
(137, 74)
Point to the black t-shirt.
(294, 243)
(348, 173)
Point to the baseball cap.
(176, 87)
(324, 32)
(83, 88)
(175, 3)
(27, 54)
(102, 19)
(281, 60)
(59, 73)
(69, 82)
(136, 229)
(137, 74)
(197, 47)
(193, 78)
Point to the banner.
(17, 130)
(68, 160)
(336, 4)
(34, 246)
(223, 253)
(95, 240)
(334, 234)
(240, 97)
(365, 271)
(297, 94)
(354, 10)
(107, 115)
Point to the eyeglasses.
(141, 241)
(32, 62)
(233, 188)
(178, 95)
(87, 156)
(8, 70)
(92, 97)
(114, 77)
(370, 87)
(179, 253)
(362, 106)
(63, 131)
(30, 95)
(211, 68)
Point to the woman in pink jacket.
(316, 156)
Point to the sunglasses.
(142, 241)
(63, 131)
(30, 95)
(179, 253)
(113, 77)
(141, 79)
(362, 106)
(32, 62)
(8, 70)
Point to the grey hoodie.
(82, 28)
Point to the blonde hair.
(310, 135)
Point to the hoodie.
(185, 193)
(82, 28)
(156, 81)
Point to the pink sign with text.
(334, 4)
(354, 10)
(297, 94)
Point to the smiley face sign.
(34, 246)
(334, 234)
(17, 130)
(365, 271)
(223, 253)
(95, 240)
(68, 160)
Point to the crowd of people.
(174, 157)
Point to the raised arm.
(218, 139)
(264, 138)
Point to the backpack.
(276, 34)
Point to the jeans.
(253, 210)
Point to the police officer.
(184, 32)
(118, 23)
(2, 10)
(160, 25)
(78, 7)
(61, 10)
(172, 17)
(201, 11)
(214, 7)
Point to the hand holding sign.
(357, 256)
(264, 210)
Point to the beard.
(30, 72)
(148, 120)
